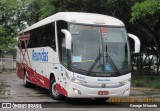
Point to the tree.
(147, 14)
(36, 10)
(8, 24)
(14, 16)
(46, 8)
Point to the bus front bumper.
(79, 91)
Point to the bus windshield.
(99, 50)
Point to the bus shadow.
(90, 103)
(39, 90)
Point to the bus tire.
(25, 82)
(52, 89)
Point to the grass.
(138, 83)
(156, 84)
(146, 81)
(4, 97)
(2, 87)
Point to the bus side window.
(49, 36)
(61, 42)
(35, 38)
(43, 36)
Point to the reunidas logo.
(40, 56)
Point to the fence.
(146, 63)
(7, 64)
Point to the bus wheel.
(25, 82)
(54, 94)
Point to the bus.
(77, 55)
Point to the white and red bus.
(77, 55)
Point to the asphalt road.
(14, 91)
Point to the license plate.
(102, 92)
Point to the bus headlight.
(78, 81)
(125, 82)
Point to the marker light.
(125, 82)
(77, 91)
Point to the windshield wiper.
(112, 63)
(93, 65)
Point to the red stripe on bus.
(33, 76)
(36, 78)
(61, 90)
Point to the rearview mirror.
(136, 42)
(67, 37)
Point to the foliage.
(138, 83)
(144, 9)
(147, 15)
(145, 81)
(46, 8)
(8, 24)
(7, 43)
(37, 10)
(2, 87)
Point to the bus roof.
(78, 17)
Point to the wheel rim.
(54, 92)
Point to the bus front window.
(99, 51)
